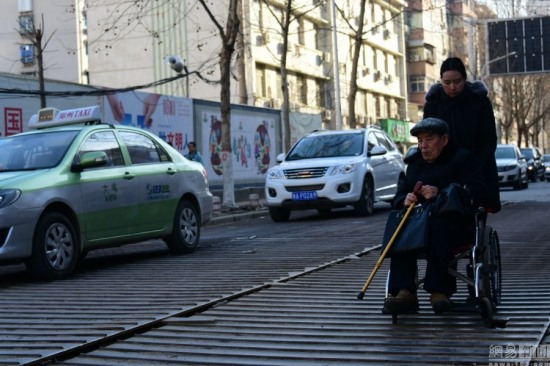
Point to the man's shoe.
(440, 302)
(403, 302)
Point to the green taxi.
(73, 184)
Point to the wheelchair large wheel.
(490, 284)
(495, 268)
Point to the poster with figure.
(170, 118)
(251, 144)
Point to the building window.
(320, 92)
(417, 84)
(26, 24)
(260, 80)
(27, 53)
(377, 106)
(301, 31)
(301, 89)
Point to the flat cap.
(431, 124)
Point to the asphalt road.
(116, 289)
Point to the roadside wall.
(256, 133)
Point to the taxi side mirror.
(92, 159)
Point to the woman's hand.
(428, 192)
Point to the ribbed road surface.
(310, 319)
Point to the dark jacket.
(472, 126)
(454, 165)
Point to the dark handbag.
(453, 201)
(413, 237)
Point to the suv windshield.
(326, 146)
(34, 151)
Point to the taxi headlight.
(8, 196)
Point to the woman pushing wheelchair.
(438, 163)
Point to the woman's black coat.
(472, 126)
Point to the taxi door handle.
(171, 171)
(129, 176)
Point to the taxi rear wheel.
(186, 232)
(54, 249)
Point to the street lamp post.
(485, 67)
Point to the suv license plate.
(304, 196)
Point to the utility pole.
(336, 70)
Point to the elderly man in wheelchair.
(438, 164)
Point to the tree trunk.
(355, 61)
(287, 140)
(225, 109)
(40, 61)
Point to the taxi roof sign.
(52, 117)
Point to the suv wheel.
(365, 205)
(518, 184)
(279, 214)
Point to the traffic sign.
(518, 46)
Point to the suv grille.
(305, 173)
(317, 187)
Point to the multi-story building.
(110, 44)
(427, 47)
(63, 38)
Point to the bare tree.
(358, 35)
(35, 36)
(357, 44)
(127, 16)
(291, 12)
(228, 37)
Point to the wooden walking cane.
(361, 294)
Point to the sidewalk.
(243, 211)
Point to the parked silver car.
(511, 166)
(329, 169)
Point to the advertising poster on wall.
(252, 143)
(170, 118)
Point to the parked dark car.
(546, 159)
(535, 164)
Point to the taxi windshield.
(34, 151)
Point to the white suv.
(329, 169)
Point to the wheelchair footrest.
(463, 307)
(498, 322)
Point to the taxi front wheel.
(54, 248)
(186, 232)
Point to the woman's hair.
(453, 63)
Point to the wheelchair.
(482, 275)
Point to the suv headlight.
(343, 169)
(8, 196)
(274, 173)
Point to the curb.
(238, 215)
